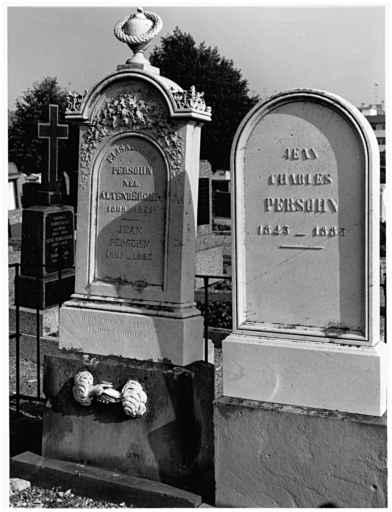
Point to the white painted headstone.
(136, 231)
(305, 173)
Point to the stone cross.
(52, 131)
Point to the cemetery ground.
(26, 427)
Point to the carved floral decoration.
(132, 396)
(190, 99)
(74, 100)
(137, 110)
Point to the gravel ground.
(35, 497)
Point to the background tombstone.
(47, 233)
(15, 183)
(305, 352)
(132, 320)
(209, 255)
(204, 204)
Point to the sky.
(337, 49)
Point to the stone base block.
(321, 375)
(171, 443)
(44, 292)
(276, 456)
(99, 484)
(126, 334)
(48, 320)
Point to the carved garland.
(133, 111)
(74, 100)
(190, 99)
(132, 396)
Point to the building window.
(377, 126)
(381, 141)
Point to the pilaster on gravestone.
(48, 233)
(306, 331)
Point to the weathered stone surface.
(274, 456)
(303, 202)
(137, 202)
(100, 484)
(137, 223)
(122, 332)
(308, 374)
(171, 442)
(306, 250)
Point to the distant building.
(375, 114)
(377, 122)
(221, 181)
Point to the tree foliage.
(26, 150)
(225, 91)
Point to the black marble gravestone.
(47, 258)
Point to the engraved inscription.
(138, 457)
(117, 327)
(59, 241)
(134, 221)
(299, 169)
(304, 205)
(287, 204)
(300, 179)
(296, 153)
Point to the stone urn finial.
(137, 30)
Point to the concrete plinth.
(171, 443)
(100, 484)
(278, 456)
(120, 330)
(330, 376)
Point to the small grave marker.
(48, 232)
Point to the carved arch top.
(180, 103)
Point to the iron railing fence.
(17, 396)
(206, 278)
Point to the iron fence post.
(206, 319)
(17, 338)
(38, 343)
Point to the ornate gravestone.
(133, 395)
(47, 233)
(304, 372)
